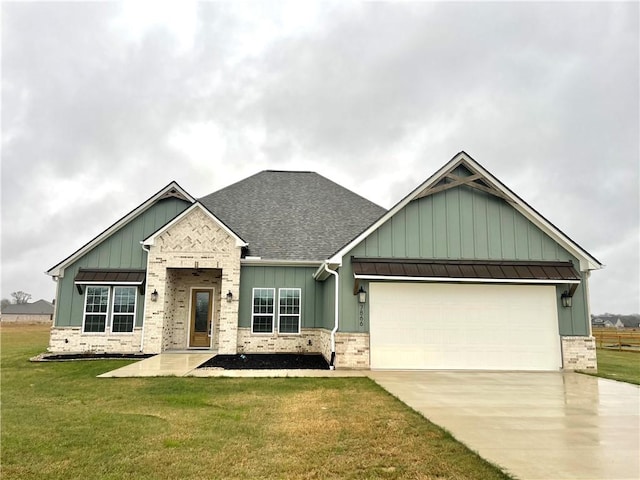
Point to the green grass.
(61, 422)
(619, 365)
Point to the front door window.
(201, 318)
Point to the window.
(95, 309)
(119, 314)
(124, 309)
(262, 311)
(289, 310)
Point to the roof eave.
(172, 189)
(587, 261)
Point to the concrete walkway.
(181, 364)
(534, 425)
(162, 365)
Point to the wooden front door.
(201, 318)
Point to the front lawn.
(619, 365)
(59, 421)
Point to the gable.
(119, 245)
(455, 217)
(195, 230)
(461, 223)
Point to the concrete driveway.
(549, 426)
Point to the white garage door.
(465, 326)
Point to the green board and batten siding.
(121, 250)
(312, 292)
(460, 223)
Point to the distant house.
(36, 312)
(608, 320)
(460, 274)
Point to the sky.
(103, 104)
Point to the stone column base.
(352, 349)
(579, 353)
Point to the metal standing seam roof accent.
(104, 275)
(472, 269)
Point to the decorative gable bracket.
(451, 180)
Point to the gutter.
(146, 291)
(335, 327)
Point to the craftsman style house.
(460, 274)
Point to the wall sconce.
(362, 295)
(229, 296)
(154, 295)
(566, 299)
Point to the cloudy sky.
(103, 104)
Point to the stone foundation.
(352, 349)
(307, 342)
(579, 353)
(72, 340)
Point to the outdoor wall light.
(154, 295)
(229, 296)
(566, 299)
(362, 295)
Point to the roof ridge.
(289, 171)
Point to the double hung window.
(263, 314)
(289, 311)
(95, 309)
(109, 308)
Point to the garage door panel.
(448, 326)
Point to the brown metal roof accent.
(461, 269)
(107, 276)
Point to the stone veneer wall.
(352, 349)
(275, 343)
(72, 340)
(579, 353)
(195, 238)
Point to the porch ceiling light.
(154, 295)
(566, 299)
(229, 296)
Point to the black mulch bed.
(267, 361)
(62, 357)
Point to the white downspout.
(148, 250)
(335, 328)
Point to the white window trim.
(273, 314)
(112, 290)
(299, 315)
(84, 312)
(108, 324)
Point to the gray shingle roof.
(41, 307)
(286, 215)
